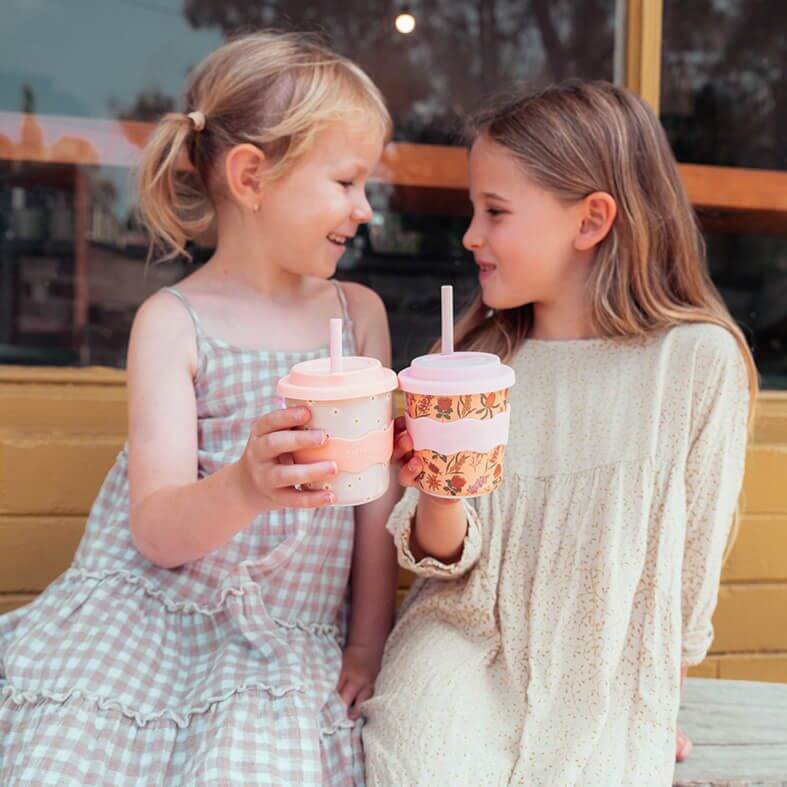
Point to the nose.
(362, 212)
(472, 239)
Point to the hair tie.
(198, 119)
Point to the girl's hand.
(360, 665)
(266, 473)
(441, 524)
(411, 466)
(683, 745)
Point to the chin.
(501, 301)
(330, 271)
(492, 299)
(324, 270)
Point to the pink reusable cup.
(350, 399)
(457, 414)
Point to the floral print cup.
(457, 413)
(453, 408)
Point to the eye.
(493, 212)
(346, 183)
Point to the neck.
(240, 259)
(257, 276)
(565, 318)
(552, 326)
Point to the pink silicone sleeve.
(352, 456)
(468, 434)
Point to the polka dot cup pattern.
(353, 421)
(355, 407)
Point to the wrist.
(242, 490)
(431, 503)
(371, 645)
(439, 528)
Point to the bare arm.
(374, 567)
(374, 573)
(176, 518)
(439, 530)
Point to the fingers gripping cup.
(457, 414)
(350, 399)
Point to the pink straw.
(336, 344)
(447, 298)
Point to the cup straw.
(336, 344)
(447, 305)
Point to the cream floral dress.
(550, 653)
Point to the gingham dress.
(222, 671)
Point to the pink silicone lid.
(359, 377)
(456, 373)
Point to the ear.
(597, 212)
(244, 170)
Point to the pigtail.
(174, 203)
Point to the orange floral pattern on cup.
(463, 474)
(454, 408)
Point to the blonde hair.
(276, 91)
(650, 272)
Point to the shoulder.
(707, 348)
(368, 314)
(362, 301)
(163, 327)
(705, 337)
(710, 357)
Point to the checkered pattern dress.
(222, 671)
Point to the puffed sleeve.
(400, 524)
(714, 475)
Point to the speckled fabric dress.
(549, 654)
(222, 671)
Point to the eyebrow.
(492, 195)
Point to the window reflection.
(459, 51)
(72, 259)
(70, 297)
(724, 95)
(72, 264)
(751, 274)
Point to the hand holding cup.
(266, 473)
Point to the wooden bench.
(739, 731)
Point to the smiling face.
(306, 217)
(521, 235)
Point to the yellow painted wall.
(60, 430)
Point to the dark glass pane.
(73, 263)
(405, 255)
(751, 274)
(724, 92)
(128, 58)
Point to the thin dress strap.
(189, 308)
(194, 318)
(343, 302)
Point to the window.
(724, 102)
(72, 118)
